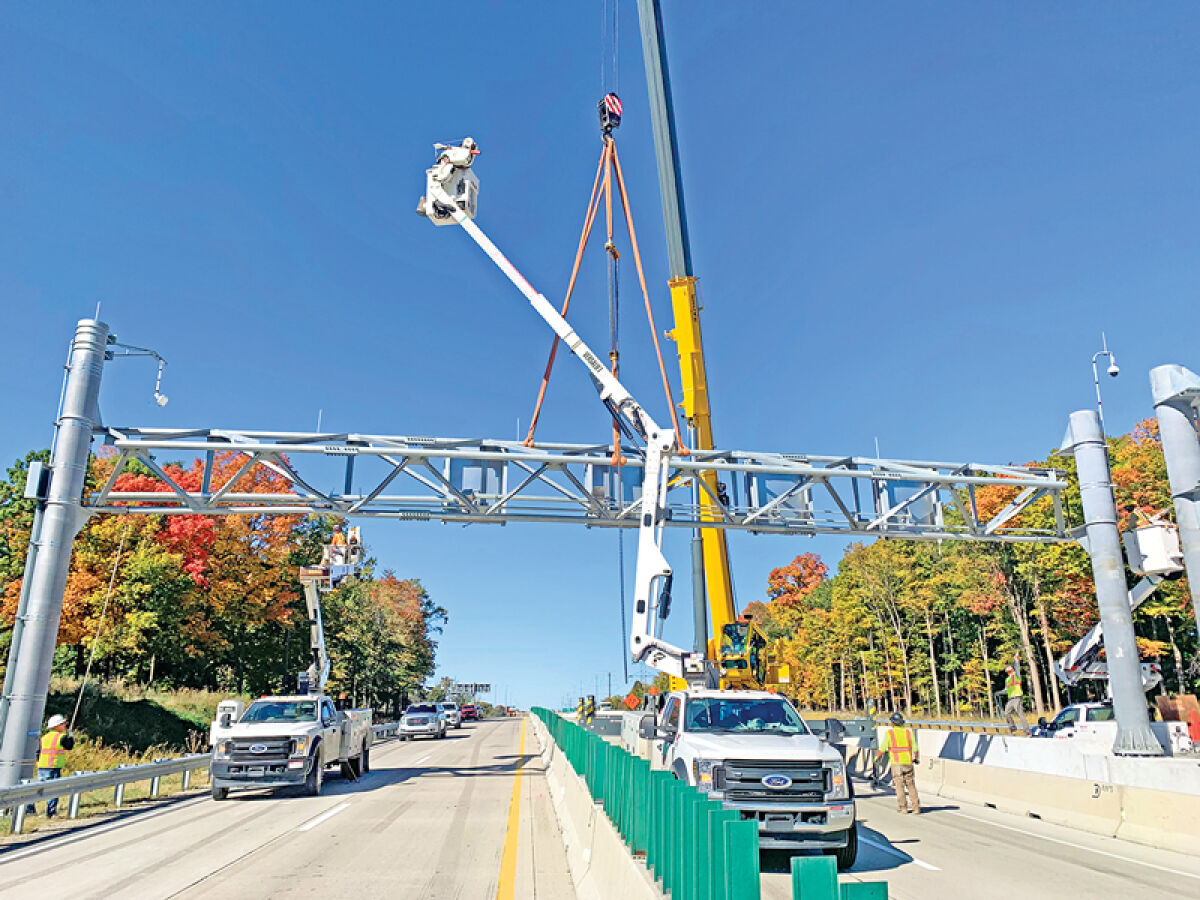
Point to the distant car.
(423, 720)
(453, 714)
(470, 712)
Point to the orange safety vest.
(900, 746)
(51, 754)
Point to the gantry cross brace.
(483, 481)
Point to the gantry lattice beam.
(483, 481)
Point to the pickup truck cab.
(1074, 719)
(752, 751)
(285, 741)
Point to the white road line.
(423, 758)
(1043, 837)
(323, 817)
(92, 831)
(900, 853)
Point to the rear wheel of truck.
(315, 777)
(846, 855)
(365, 759)
(220, 793)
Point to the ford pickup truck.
(752, 751)
(289, 741)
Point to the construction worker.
(54, 744)
(901, 746)
(1015, 692)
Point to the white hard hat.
(56, 720)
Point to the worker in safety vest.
(901, 746)
(1015, 692)
(54, 744)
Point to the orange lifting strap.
(602, 187)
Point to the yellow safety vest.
(900, 746)
(1012, 686)
(51, 753)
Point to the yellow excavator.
(737, 645)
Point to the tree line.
(931, 626)
(214, 601)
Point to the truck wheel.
(846, 855)
(315, 777)
(220, 793)
(365, 759)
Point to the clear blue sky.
(911, 223)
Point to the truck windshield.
(281, 711)
(421, 708)
(728, 715)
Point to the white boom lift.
(338, 560)
(1153, 552)
(451, 193)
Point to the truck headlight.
(299, 746)
(839, 786)
(703, 771)
(223, 749)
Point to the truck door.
(670, 719)
(331, 731)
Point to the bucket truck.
(748, 749)
(289, 740)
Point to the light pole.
(1113, 370)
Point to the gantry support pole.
(50, 555)
(1084, 437)
(1176, 392)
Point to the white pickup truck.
(285, 741)
(753, 752)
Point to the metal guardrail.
(971, 727)
(74, 786)
(15, 799)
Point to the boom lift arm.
(451, 189)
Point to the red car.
(469, 711)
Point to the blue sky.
(911, 224)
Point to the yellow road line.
(508, 859)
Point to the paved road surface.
(959, 850)
(431, 820)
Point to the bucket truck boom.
(451, 190)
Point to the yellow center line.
(508, 859)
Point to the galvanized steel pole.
(64, 516)
(1176, 392)
(1085, 438)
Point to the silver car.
(453, 714)
(423, 720)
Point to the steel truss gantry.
(470, 481)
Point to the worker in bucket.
(901, 747)
(1014, 691)
(54, 745)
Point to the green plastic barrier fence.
(694, 847)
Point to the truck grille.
(741, 780)
(274, 749)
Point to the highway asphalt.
(960, 850)
(433, 819)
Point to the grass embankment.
(121, 724)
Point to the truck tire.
(315, 776)
(365, 759)
(220, 793)
(848, 854)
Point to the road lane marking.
(508, 860)
(900, 853)
(94, 830)
(422, 759)
(323, 817)
(1044, 837)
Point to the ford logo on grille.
(777, 782)
(258, 748)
